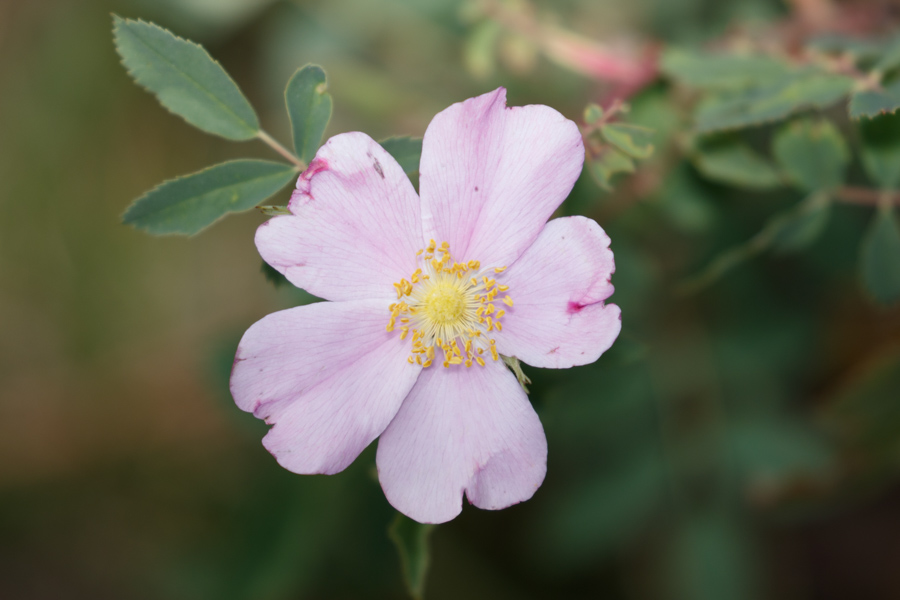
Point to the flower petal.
(462, 430)
(558, 286)
(491, 176)
(328, 376)
(356, 225)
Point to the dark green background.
(740, 443)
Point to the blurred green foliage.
(740, 441)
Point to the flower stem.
(866, 196)
(272, 143)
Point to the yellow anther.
(507, 301)
(447, 314)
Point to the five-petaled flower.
(426, 293)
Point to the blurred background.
(740, 442)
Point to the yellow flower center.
(444, 303)
(448, 307)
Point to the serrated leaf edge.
(117, 21)
(126, 221)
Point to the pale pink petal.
(356, 225)
(328, 376)
(461, 430)
(491, 176)
(558, 318)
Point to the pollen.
(447, 309)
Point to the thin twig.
(865, 196)
(272, 143)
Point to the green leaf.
(797, 229)
(592, 113)
(611, 507)
(406, 151)
(309, 107)
(734, 163)
(633, 140)
(881, 150)
(685, 202)
(721, 72)
(773, 102)
(871, 103)
(776, 447)
(880, 258)
(891, 58)
(835, 43)
(411, 541)
(711, 557)
(812, 153)
(188, 204)
(607, 164)
(785, 231)
(185, 79)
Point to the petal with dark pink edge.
(327, 376)
(355, 227)
(558, 318)
(461, 430)
(491, 176)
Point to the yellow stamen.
(445, 308)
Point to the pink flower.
(425, 293)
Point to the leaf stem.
(273, 143)
(866, 196)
